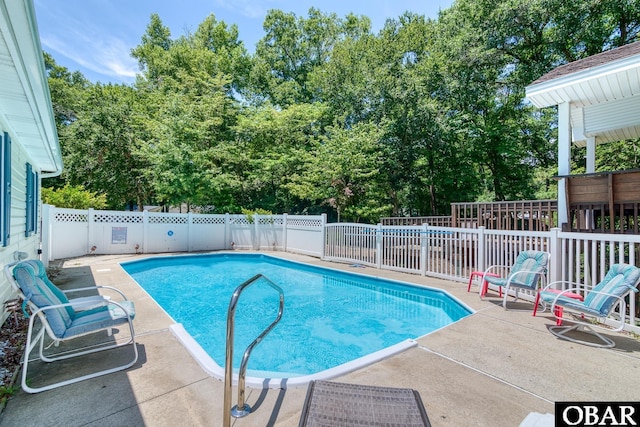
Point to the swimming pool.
(333, 321)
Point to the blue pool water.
(330, 317)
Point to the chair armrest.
(86, 303)
(574, 290)
(98, 303)
(516, 273)
(93, 288)
(564, 292)
(492, 267)
(553, 285)
(69, 304)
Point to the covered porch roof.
(598, 100)
(25, 102)
(602, 91)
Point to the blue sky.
(96, 36)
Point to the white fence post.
(284, 232)
(481, 249)
(555, 249)
(189, 230)
(323, 249)
(145, 231)
(90, 229)
(379, 245)
(424, 241)
(45, 233)
(256, 227)
(227, 231)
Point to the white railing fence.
(449, 253)
(454, 253)
(70, 233)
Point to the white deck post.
(591, 154)
(564, 158)
(591, 168)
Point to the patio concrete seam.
(484, 373)
(206, 378)
(140, 402)
(514, 323)
(152, 332)
(483, 309)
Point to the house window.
(5, 190)
(32, 201)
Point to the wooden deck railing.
(435, 221)
(530, 215)
(603, 202)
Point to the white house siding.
(26, 115)
(17, 241)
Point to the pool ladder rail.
(242, 408)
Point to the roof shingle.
(591, 62)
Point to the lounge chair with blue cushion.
(527, 272)
(599, 304)
(79, 303)
(63, 320)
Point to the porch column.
(564, 158)
(591, 167)
(591, 154)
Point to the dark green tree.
(102, 146)
(293, 48)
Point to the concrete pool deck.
(489, 369)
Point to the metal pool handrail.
(242, 409)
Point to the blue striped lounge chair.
(599, 303)
(62, 320)
(529, 269)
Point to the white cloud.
(107, 56)
(89, 45)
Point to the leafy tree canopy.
(327, 116)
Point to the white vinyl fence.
(449, 253)
(71, 232)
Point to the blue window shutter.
(6, 190)
(36, 200)
(29, 208)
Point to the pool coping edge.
(216, 371)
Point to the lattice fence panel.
(304, 222)
(268, 220)
(117, 218)
(166, 219)
(208, 219)
(71, 217)
(240, 220)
